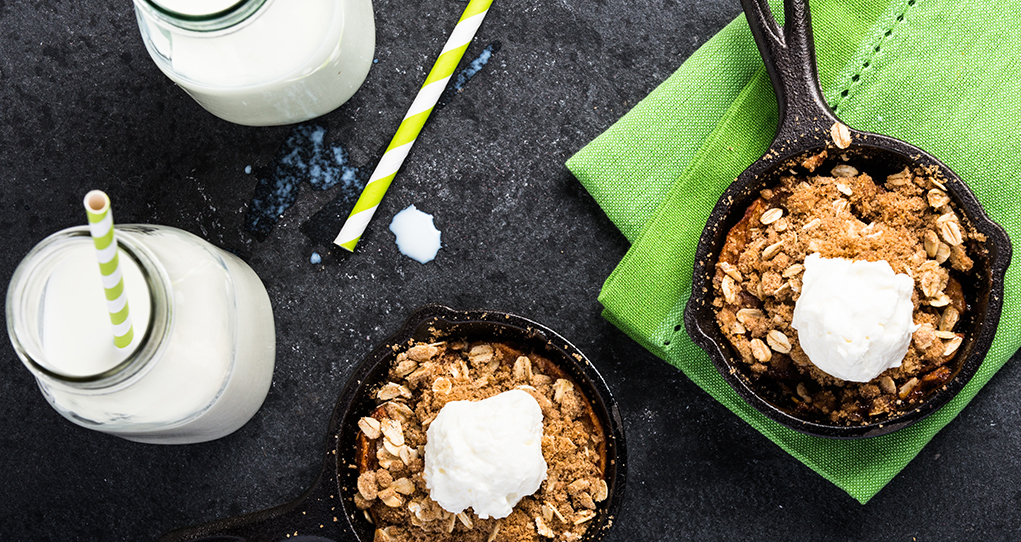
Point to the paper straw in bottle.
(97, 207)
(412, 124)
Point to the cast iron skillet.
(326, 511)
(805, 126)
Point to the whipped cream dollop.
(485, 454)
(854, 317)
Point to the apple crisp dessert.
(831, 208)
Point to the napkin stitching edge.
(853, 82)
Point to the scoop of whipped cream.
(854, 317)
(485, 454)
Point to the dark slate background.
(82, 106)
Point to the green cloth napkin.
(941, 74)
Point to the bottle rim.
(206, 22)
(160, 314)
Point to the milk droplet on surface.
(417, 237)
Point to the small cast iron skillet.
(805, 125)
(326, 511)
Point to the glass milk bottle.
(202, 358)
(261, 62)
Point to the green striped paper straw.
(97, 207)
(412, 124)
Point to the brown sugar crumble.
(391, 487)
(908, 220)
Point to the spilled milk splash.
(303, 156)
(463, 76)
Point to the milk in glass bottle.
(261, 62)
(201, 361)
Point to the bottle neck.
(200, 15)
(25, 309)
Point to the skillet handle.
(789, 55)
(312, 517)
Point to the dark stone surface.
(82, 106)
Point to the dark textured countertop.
(82, 106)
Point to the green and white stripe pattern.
(97, 207)
(412, 124)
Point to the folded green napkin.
(941, 74)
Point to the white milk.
(290, 61)
(417, 236)
(200, 372)
(77, 334)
